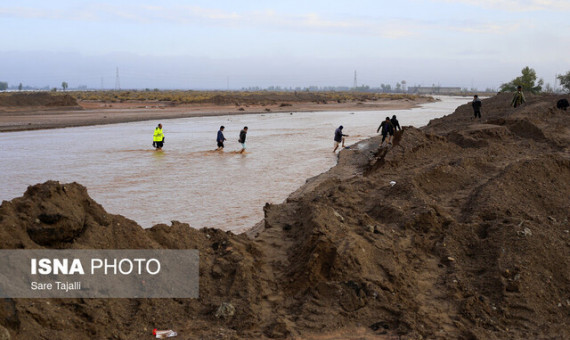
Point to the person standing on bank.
(220, 139)
(476, 103)
(158, 138)
(241, 140)
(518, 98)
(387, 129)
(338, 138)
(395, 123)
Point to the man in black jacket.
(387, 128)
(338, 138)
(476, 103)
(241, 140)
(395, 123)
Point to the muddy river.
(188, 181)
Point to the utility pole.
(117, 81)
(355, 82)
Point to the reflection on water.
(188, 181)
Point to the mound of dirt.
(63, 216)
(37, 99)
(471, 242)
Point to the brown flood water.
(188, 181)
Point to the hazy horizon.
(235, 45)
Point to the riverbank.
(22, 117)
(470, 242)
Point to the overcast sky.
(235, 44)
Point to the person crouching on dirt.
(387, 129)
(338, 138)
(562, 104)
(158, 138)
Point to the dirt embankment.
(37, 101)
(472, 242)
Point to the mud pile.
(472, 242)
(37, 100)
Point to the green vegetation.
(64, 85)
(3, 86)
(565, 81)
(526, 80)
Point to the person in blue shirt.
(338, 138)
(220, 139)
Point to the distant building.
(434, 90)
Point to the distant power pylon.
(355, 82)
(117, 81)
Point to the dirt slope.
(472, 242)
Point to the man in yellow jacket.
(158, 137)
